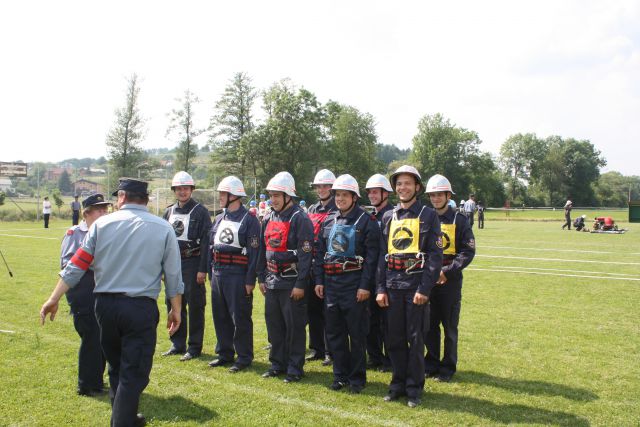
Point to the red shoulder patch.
(70, 232)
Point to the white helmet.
(438, 183)
(324, 176)
(232, 185)
(379, 181)
(182, 178)
(346, 182)
(409, 170)
(283, 181)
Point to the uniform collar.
(449, 214)
(355, 212)
(134, 206)
(187, 206)
(415, 208)
(237, 213)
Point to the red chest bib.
(276, 236)
(317, 219)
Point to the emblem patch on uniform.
(178, 227)
(306, 246)
(402, 238)
(439, 242)
(253, 242)
(472, 243)
(226, 236)
(70, 232)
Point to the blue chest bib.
(342, 239)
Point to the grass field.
(549, 335)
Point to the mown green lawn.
(549, 335)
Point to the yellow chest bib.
(404, 235)
(448, 238)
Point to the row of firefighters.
(375, 290)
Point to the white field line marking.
(571, 271)
(31, 237)
(552, 274)
(355, 416)
(33, 229)
(560, 250)
(558, 259)
(7, 332)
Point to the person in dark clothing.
(233, 255)
(579, 224)
(459, 248)
(480, 214)
(91, 360)
(567, 215)
(378, 190)
(408, 268)
(345, 266)
(75, 211)
(317, 213)
(191, 222)
(283, 268)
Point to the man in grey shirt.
(129, 250)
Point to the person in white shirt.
(46, 211)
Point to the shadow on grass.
(506, 413)
(174, 408)
(526, 386)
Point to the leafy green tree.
(613, 188)
(387, 153)
(233, 149)
(64, 183)
(181, 125)
(352, 142)
(520, 157)
(292, 137)
(126, 158)
(57, 199)
(487, 181)
(444, 148)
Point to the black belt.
(189, 253)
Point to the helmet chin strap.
(381, 202)
(353, 203)
(286, 202)
(229, 201)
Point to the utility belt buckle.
(414, 263)
(357, 263)
(292, 268)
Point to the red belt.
(227, 258)
(408, 264)
(341, 267)
(284, 269)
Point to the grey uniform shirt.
(71, 242)
(130, 249)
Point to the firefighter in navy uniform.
(344, 268)
(283, 274)
(378, 189)
(234, 247)
(191, 222)
(409, 266)
(91, 360)
(459, 248)
(318, 212)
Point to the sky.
(567, 68)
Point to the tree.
(126, 158)
(387, 153)
(520, 158)
(233, 150)
(181, 124)
(64, 183)
(57, 199)
(2, 196)
(292, 137)
(352, 142)
(441, 147)
(486, 180)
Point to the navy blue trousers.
(347, 326)
(445, 311)
(195, 297)
(405, 339)
(232, 310)
(128, 329)
(286, 321)
(91, 361)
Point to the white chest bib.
(180, 223)
(228, 233)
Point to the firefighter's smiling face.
(183, 193)
(344, 199)
(323, 191)
(277, 200)
(406, 187)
